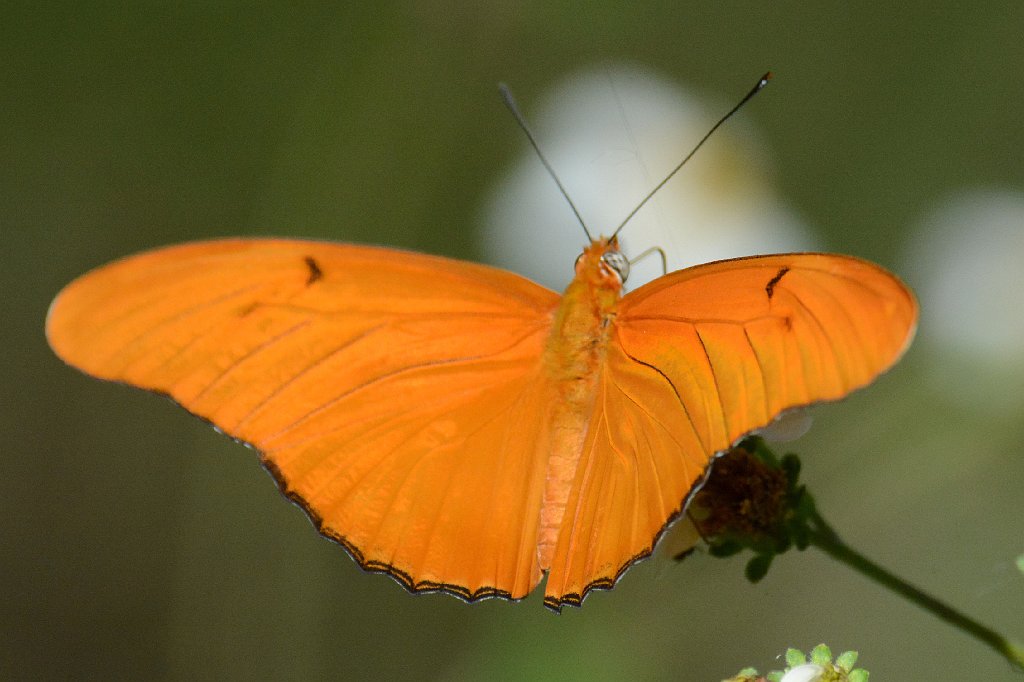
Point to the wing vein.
(298, 375)
(714, 375)
(840, 367)
(415, 464)
(388, 376)
(682, 404)
(253, 352)
(761, 372)
(177, 317)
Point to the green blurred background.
(137, 543)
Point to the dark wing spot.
(316, 273)
(770, 287)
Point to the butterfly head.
(603, 260)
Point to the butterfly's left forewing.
(699, 358)
(398, 398)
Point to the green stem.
(823, 537)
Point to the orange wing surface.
(398, 398)
(463, 429)
(697, 359)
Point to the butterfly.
(463, 429)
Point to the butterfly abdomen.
(572, 360)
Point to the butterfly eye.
(618, 263)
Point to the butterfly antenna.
(756, 89)
(510, 102)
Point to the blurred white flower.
(612, 135)
(968, 256)
(966, 260)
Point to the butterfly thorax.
(573, 355)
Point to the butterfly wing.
(699, 358)
(392, 395)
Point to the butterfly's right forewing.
(398, 398)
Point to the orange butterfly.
(463, 429)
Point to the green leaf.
(757, 568)
(725, 548)
(821, 655)
(847, 660)
(791, 465)
(1020, 563)
(795, 657)
(800, 534)
(858, 675)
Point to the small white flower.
(808, 672)
(964, 261)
